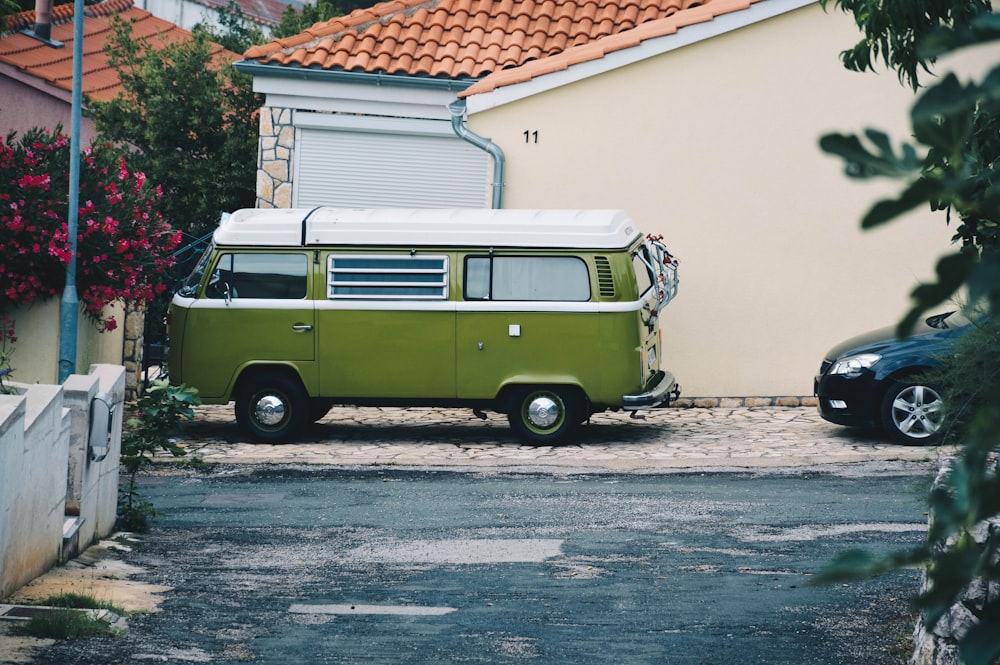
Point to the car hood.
(877, 340)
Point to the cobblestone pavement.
(662, 439)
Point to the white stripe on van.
(242, 303)
(409, 305)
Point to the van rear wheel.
(545, 414)
(272, 407)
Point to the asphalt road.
(320, 565)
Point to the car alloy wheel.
(912, 413)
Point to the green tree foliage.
(895, 29)
(295, 21)
(235, 32)
(8, 7)
(191, 123)
(953, 167)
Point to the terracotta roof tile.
(55, 66)
(601, 47)
(483, 39)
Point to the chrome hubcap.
(543, 411)
(269, 410)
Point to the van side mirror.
(102, 419)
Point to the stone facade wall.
(274, 159)
(135, 323)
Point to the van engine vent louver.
(605, 280)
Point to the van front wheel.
(272, 407)
(545, 414)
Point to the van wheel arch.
(544, 414)
(272, 404)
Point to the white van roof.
(479, 227)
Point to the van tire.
(545, 414)
(272, 407)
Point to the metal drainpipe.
(457, 109)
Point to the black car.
(874, 380)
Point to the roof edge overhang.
(256, 68)
(572, 73)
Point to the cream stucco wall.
(36, 353)
(715, 146)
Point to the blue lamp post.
(69, 310)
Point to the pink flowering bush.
(124, 246)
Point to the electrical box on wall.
(102, 420)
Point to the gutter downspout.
(457, 109)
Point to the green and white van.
(545, 315)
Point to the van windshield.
(190, 287)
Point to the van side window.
(526, 278)
(281, 276)
(381, 277)
(643, 273)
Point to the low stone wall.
(737, 402)
(939, 646)
(54, 498)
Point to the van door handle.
(301, 327)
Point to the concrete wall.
(23, 107)
(45, 468)
(92, 486)
(36, 353)
(34, 455)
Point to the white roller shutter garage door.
(372, 164)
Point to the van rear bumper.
(664, 388)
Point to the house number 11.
(530, 136)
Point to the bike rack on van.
(664, 267)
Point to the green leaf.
(863, 163)
(984, 280)
(943, 116)
(859, 564)
(943, 40)
(920, 192)
(952, 271)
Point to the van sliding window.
(545, 278)
(387, 277)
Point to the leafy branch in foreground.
(955, 169)
(158, 415)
